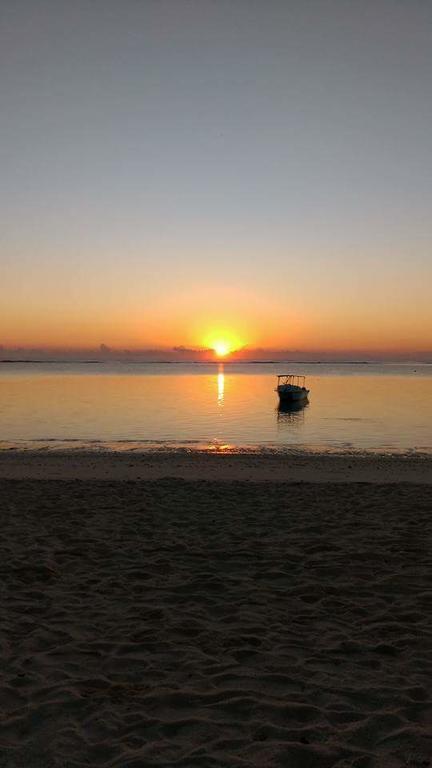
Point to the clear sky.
(177, 171)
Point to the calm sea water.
(355, 407)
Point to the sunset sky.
(178, 172)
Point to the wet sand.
(218, 465)
(214, 621)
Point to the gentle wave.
(74, 445)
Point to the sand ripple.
(178, 623)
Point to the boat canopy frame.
(291, 379)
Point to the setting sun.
(222, 341)
(222, 348)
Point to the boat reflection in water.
(292, 413)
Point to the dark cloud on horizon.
(188, 354)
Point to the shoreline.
(253, 467)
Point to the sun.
(221, 347)
(221, 341)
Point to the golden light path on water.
(221, 385)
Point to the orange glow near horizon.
(302, 316)
(222, 342)
(247, 324)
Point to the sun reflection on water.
(221, 385)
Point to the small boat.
(291, 388)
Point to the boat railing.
(291, 379)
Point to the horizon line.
(217, 362)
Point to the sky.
(177, 172)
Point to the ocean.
(353, 407)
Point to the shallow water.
(357, 407)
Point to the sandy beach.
(217, 465)
(195, 617)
